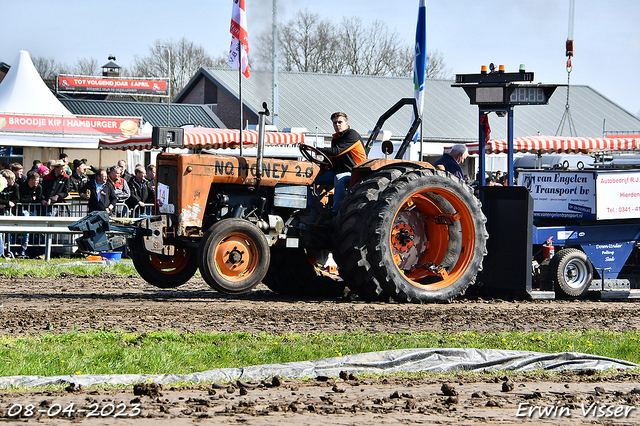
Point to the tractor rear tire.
(233, 256)
(571, 272)
(292, 273)
(351, 226)
(165, 272)
(425, 239)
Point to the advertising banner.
(618, 195)
(561, 194)
(79, 125)
(101, 85)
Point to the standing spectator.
(121, 186)
(18, 170)
(64, 157)
(43, 171)
(124, 173)
(89, 167)
(100, 193)
(151, 177)
(141, 190)
(122, 190)
(151, 174)
(36, 164)
(55, 186)
(9, 197)
(78, 178)
(503, 180)
(451, 161)
(50, 164)
(30, 201)
(491, 181)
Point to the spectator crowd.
(43, 189)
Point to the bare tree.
(308, 43)
(86, 66)
(220, 61)
(304, 43)
(48, 68)
(369, 50)
(185, 57)
(436, 67)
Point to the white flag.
(239, 35)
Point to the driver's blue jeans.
(340, 182)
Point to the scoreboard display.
(510, 95)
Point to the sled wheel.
(296, 272)
(165, 271)
(572, 272)
(233, 256)
(351, 232)
(429, 237)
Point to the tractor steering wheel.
(308, 150)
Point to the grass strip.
(115, 352)
(58, 266)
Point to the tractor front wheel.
(233, 256)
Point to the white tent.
(23, 91)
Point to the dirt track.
(34, 305)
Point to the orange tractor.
(405, 230)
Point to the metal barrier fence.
(14, 242)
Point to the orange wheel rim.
(419, 238)
(236, 256)
(174, 265)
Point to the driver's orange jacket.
(346, 150)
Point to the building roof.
(308, 99)
(111, 64)
(152, 112)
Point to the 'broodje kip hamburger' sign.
(78, 125)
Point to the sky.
(468, 33)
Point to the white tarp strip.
(385, 362)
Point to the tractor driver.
(346, 151)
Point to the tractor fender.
(369, 167)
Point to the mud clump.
(151, 390)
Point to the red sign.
(118, 126)
(140, 86)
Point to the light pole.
(168, 84)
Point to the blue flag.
(420, 64)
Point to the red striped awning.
(208, 138)
(559, 144)
(126, 142)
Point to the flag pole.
(240, 88)
(421, 140)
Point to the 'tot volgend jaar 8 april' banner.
(98, 85)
